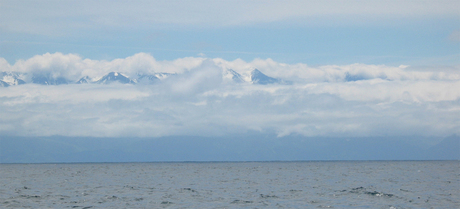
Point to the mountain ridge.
(13, 78)
(247, 147)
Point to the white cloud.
(389, 101)
(73, 67)
(206, 77)
(4, 64)
(57, 64)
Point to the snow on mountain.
(231, 75)
(147, 79)
(258, 77)
(163, 76)
(228, 75)
(11, 79)
(115, 77)
(4, 84)
(83, 80)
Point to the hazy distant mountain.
(83, 80)
(233, 76)
(447, 149)
(4, 84)
(354, 77)
(248, 147)
(163, 76)
(258, 77)
(361, 76)
(115, 77)
(48, 79)
(147, 79)
(10, 79)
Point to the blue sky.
(406, 52)
(310, 32)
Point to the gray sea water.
(376, 184)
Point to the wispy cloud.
(59, 18)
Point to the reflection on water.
(389, 184)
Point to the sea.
(319, 184)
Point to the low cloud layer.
(350, 100)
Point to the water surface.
(375, 184)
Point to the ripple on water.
(410, 184)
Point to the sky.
(310, 32)
(404, 54)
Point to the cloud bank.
(348, 100)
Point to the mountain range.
(247, 147)
(14, 78)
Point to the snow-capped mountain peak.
(228, 75)
(258, 77)
(115, 77)
(83, 80)
(11, 79)
(231, 75)
(163, 76)
(146, 79)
